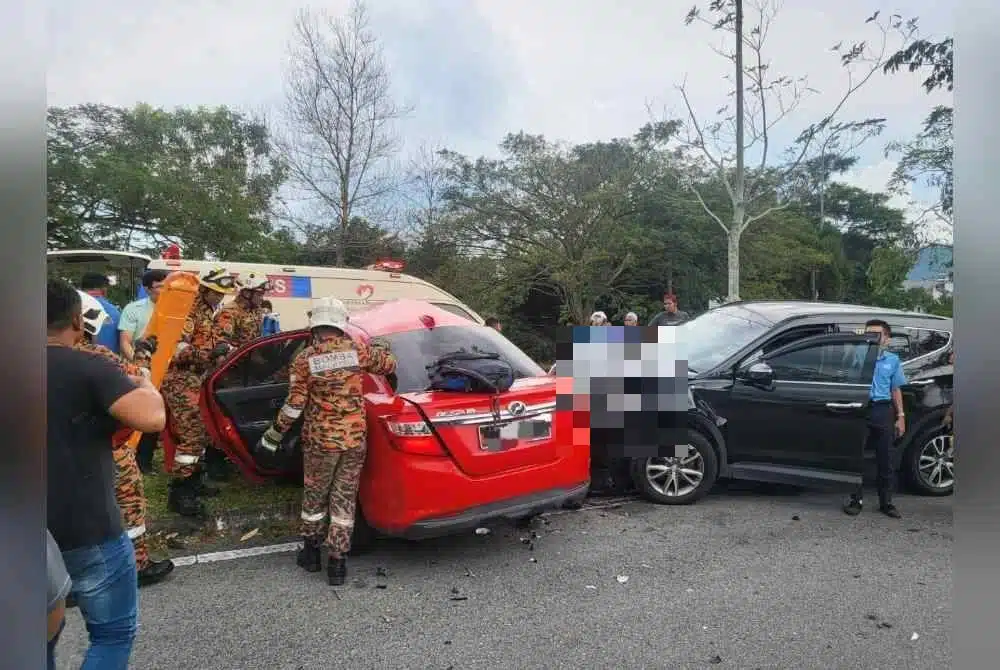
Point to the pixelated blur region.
(626, 387)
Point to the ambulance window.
(454, 309)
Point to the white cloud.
(577, 71)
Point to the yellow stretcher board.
(172, 308)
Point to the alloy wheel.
(936, 466)
(676, 476)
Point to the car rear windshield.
(415, 350)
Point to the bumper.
(513, 508)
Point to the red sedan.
(438, 461)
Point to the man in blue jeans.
(89, 399)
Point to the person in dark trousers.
(670, 316)
(886, 419)
(89, 399)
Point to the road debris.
(590, 586)
(622, 579)
(483, 531)
(796, 517)
(715, 660)
(254, 533)
(914, 637)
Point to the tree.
(928, 157)
(724, 145)
(137, 179)
(567, 209)
(340, 117)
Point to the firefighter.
(201, 347)
(239, 322)
(129, 490)
(325, 390)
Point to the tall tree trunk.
(345, 212)
(739, 187)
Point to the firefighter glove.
(270, 441)
(146, 346)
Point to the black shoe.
(309, 557)
(203, 489)
(156, 571)
(853, 507)
(336, 571)
(183, 498)
(890, 511)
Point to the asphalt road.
(739, 580)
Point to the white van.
(293, 287)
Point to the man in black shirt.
(89, 399)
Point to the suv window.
(267, 364)
(835, 363)
(415, 350)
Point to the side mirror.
(759, 374)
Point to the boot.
(886, 507)
(853, 506)
(144, 453)
(216, 465)
(155, 571)
(203, 489)
(336, 570)
(183, 498)
(309, 557)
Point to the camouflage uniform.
(181, 386)
(325, 389)
(240, 322)
(128, 479)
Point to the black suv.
(778, 392)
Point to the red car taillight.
(410, 434)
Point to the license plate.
(508, 435)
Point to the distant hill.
(932, 262)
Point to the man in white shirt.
(136, 315)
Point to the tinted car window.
(266, 364)
(836, 363)
(417, 349)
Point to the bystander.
(89, 399)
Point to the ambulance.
(292, 287)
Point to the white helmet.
(254, 282)
(598, 319)
(330, 313)
(94, 316)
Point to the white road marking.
(233, 554)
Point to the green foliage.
(139, 178)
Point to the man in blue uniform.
(886, 420)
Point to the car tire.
(363, 536)
(933, 442)
(657, 488)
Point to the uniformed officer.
(129, 487)
(886, 419)
(199, 350)
(325, 388)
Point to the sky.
(475, 70)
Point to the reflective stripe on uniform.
(184, 459)
(136, 532)
(343, 522)
(291, 412)
(313, 518)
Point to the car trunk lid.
(486, 434)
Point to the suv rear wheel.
(681, 479)
(930, 462)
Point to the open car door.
(123, 268)
(241, 398)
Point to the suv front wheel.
(681, 479)
(929, 462)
